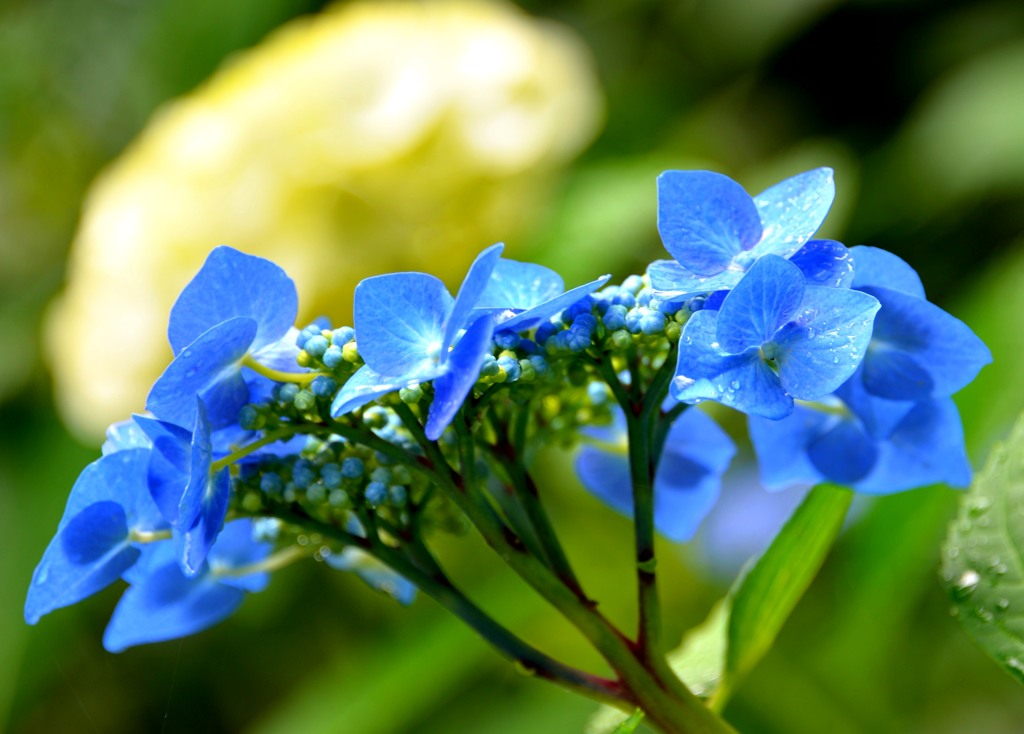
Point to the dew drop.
(979, 507)
(43, 575)
(1002, 605)
(966, 584)
(1015, 664)
(983, 614)
(734, 385)
(191, 372)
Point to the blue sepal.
(232, 284)
(463, 370)
(826, 263)
(792, 211)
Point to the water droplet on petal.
(1002, 605)
(43, 575)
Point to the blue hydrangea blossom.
(237, 307)
(715, 230)
(775, 338)
(161, 603)
(412, 331)
(521, 295)
(108, 512)
(686, 483)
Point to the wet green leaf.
(983, 562)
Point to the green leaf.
(629, 725)
(983, 563)
(767, 594)
(700, 659)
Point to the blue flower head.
(687, 481)
(522, 295)
(191, 496)
(873, 445)
(716, 231)
(237, 306)
(162, 603)
(917, 350)
(775, 338)
(410, 330)
(109, 509)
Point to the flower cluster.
(265, 444)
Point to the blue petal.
(925, 448)
(463, 370)
(606, 476)
(194, 543)
(400, 321)
(544, 311)
(365, 386)
(877, 267)
(375, 573)
(879, 417)
(781, 447)
(705, 219)
(235, 549)
(844, 453)
(825, 262)
(167, 605)
(689, 476)
(209, 367)
(282, 354)
(671, 281)
(918, 351)
(767, 297)
(742, 381)
(90, 549)
(473, 286)
(123, 435)
(232, 284)
(793, 210)
(519, 286)
(200, 459)
(822, 347)
(168, 472)
(89, 553)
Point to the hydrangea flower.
(716, 231)
(892, 425)
(522, 295)
(191, 496)
(874, 445)
(917, 350)
(411, 330)
(775, 338)
(108, 512)
(238, 307)
(687, 481)
(161, 603)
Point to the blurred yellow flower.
(370, 138)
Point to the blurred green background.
(919, 106)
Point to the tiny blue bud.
(597, 392)
(652, 322)
(286, 393)
(331, 475)
(316, 493)
(376, 493)
(316, 345)
(303, 474)
(343, 335)
(338, 498)
(332, 357)
(643, 298)
(304, 400)
(583, 306)
(250, 419)
(323, 386)
(375, 416)
(544, 332)
(540, 364)
(506, 339)
(352, 467)
(490, 367)
(271, 484)
(511, 367)
(615, 317)
(633, 283)
(577, 339)
(696, 304)
(380, 474)
(398, 494)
